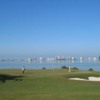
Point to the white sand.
(91, 78)
(94, 78)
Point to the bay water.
(82, 65)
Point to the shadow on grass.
(4, 78)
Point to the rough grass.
(48, 85)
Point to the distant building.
(50, 59)
(73, 58)
(41, 58)
(81, 58)
(99, 58)
(89, 58)
(29, 59)
(94, 58)
(60, 58)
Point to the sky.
(32, 28)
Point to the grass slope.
(47, 85)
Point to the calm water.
(83, 65)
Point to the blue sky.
(31, 28)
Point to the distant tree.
(64, 67)
(90, 69)
(43, 68)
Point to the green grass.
(48, 85)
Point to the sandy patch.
(89, 79)
(80, 79)
(94, 78)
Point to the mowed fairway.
(47, 84)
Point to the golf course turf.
(47, 84)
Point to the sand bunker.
(94, 78)
(89, 79)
